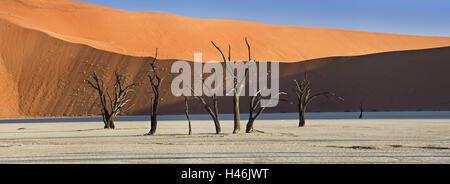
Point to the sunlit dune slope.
(49, 47)
(178, 37)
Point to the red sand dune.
(138, 34)
(48, 47)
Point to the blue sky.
(414, 17)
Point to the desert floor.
(341, 140)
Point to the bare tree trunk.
(186, 112)
(237, 119)
(251, 119)
(110, 124)
(154, 116)
(361, 110)
(301, 117)
(216, 114)
(105, 120)
(213, 110)
(215, 117)
(153, 125)
(255, 112)
(155, 82)
(249, 128)
(217, 125)
(190, 127)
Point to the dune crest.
(49, 47)
(178, 37)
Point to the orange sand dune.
(177, 37)
(48, 47)
(43, 77)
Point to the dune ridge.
(178, 37)
(48, 48)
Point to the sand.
(321, 141)
(49, 47)
(178, 37)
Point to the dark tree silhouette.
(155, 82)
(111, 106)
(212, 109)
(237, 85)
(255, 111)
(236, 111)
(304, 97)
(186, 112)
(361, 110)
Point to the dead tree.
(114, 105)
(304, 97)
(236, 111)
(255, 108)
(155, 82)
(255, 101)
(361, 110)
(213, 110)
(186, 112)
(255, 111)
(237, 85)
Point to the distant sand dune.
(48, 47)
(178, 37)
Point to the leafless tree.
(186, 112)
(304, 97)
(212, 109)
(255, 111)
(236, 110)
(361, 110)
(155, 82)
(111, 106)
(237, 85)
